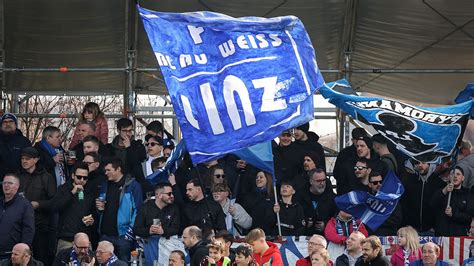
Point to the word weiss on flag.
(233, 82)
(424, 134)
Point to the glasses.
(360, 168)
(168, 193)
(83, 248)
(8, 183)
(376, 182)
(319, 181)
(126, 130)
(82, 177)
(89, 163)
(153, 144)
(219, 176)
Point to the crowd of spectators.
(57, 205)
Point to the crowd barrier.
(453, 249)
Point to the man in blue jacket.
(17, 222)
(118, 203)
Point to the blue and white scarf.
(59, 169)
(345, 231)
(111, 260)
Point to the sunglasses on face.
(153, 144)
(360, 168)
(219, 176)
(376, 182)
(169, 194)
(82, 177)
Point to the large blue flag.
(233, 82)
(466, 95)
(171, 165)
(425, 134)
(373, 210)
(259, 156)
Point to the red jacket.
(307, 262)
(271, 257)
(101, 132)
(331, 234)
(399, 260)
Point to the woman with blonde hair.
(92, 113)
(320, 257)
(409, 248)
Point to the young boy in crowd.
(264, 252)
(216, 255)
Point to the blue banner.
(259, 156)
(373, 210)
(424, 134)
(233, 82)
(466, 95)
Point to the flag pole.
(276, 202)
(451, 176)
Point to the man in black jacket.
(372, 253)
(306, 141)
(75, 203)
(318, 202)
(125, 147)
(12, 142)
(201, 211)
(160, 216)
(21, 255)
(452, 219)
(79, 253)
(39, 188)
(192, 240)
(17, 222)
(346, 159)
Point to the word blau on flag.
(424, 134)
(233, 82)
(371, 209)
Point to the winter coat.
(48, 162)
(398, 259)
(169, 216)
(330, 232)
(17, 223)
(291, 219)
(459, 223)
(343, 260)
(272, 256)
(130, 202)
(240, 221)
(101, 132)
(197, 253)
(39, 186)
(344, 169)
(72, 210)
(130, 156)
(287, 164)
(317, 207)
(416, 201)
(467, 164)
(260, 207)
(10, 151)
(197, 213)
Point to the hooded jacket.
(272, 256)
(130, 201)
(197, 253)
(10, 151)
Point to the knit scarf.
(59, 168)
(111, 260)
(74, 259)
(345, 231)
